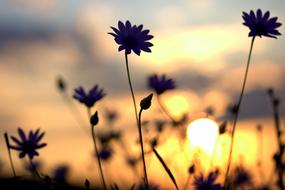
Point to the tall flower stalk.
(94, 121)
(89, 100)
(259, 25)
(133, 38)
(9, 154)
(161, 84)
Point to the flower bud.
(146, 102)
(94, 119)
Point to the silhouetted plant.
(278, 156)
(259, 25)
(94, 119)
(132, 38)
(202, 182)
(9, 154)
(161, 84)
(89, 99)
(28, 145)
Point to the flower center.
(260, 28)
(28, 147)
(130, 41)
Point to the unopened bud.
(146, 102)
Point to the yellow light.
(202, 133)
(177, 105)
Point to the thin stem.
(97, 153)
(137, 118)
(237, 111)
(278, 162)
(34, 169)
(142, 150)
(164, 110)
(9, 153)
(74, 111)
(131, 88)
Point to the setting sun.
(202, 133)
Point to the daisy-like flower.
(160, 84)
(261, 25)
(28, 144)
(95, 94)
(132, 38)
(207, 183)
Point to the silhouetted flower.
(132, 161)
(105, 153)
(61, 84)
(60, 173)
(241, 176)
(207, 183)
(94, 95)
(191, 169)
(28, 144)
(94, 119)
(132, 38)
(261, 25)
(160, 84)
(146, 102)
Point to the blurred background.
(201, 44)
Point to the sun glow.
(202, 133)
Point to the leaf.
(166, 168)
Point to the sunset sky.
(201, 44)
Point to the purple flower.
(160, 84)
(207, 183)
(105, 153)
(241, 176)
(261, 25)
(28, 144)
(94, 95)
(132, 38)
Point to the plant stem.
(142, 150)
(278, 162)
(137, 119)
(97, 153)
(131, 88)
(9, 153)
(237, 111)
(164, 110)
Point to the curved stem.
(97, 153)
(9, 153)
(164, 110)
(237, 111)
(142, 150)
(131, 88)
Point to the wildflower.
(94, 95)
(160, 84)
(146, 102)
(241, 176)
(261, 25)
(60, 173)
(94, 119)
(207, 183)
(191, 169)
(132, 38)
(105, 153)
(61, 84)
(28, 144)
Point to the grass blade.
(166, 168)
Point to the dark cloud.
(256, 104)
